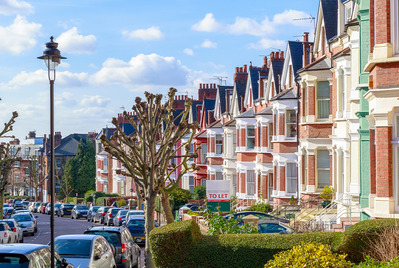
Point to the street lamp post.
(52, 58)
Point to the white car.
(16, 230)
(6, 234)
(86, 250)
(25, 221)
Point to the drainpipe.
(297, 80)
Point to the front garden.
(372, 243)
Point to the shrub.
(217, 224)
(260, 207)
(227, 250)
(369, 262)
(121, 203)
(170, 243)
(359, 238)
(199, 192)
(101, 201)
(308, 255)
(180, 197)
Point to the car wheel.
(32, 234)
(62, 215)
(36, 230)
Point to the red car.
(43, 207)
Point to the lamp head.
(51, 55)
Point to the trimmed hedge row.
(191, 249)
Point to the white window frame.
(395, 26)
(291, 178)
(218, 144)
(250, 182)
(191, 183)
(321, 100)
(248, 137)
(305, 168)
(320, 169)
(288, 124)
(270, 186)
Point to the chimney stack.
(245, 68)
(271, 55)
(282, 55)
(305, 37)
(306, 49)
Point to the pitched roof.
(240, 89)
(194, 110)
(321, 64)
(254, 73)
(107, 132)
(296, 49)
(222, 95)
(209, 104)
(285, 95)
(266, 111)
(69, 145)
(277, 66)
(250, 113)
(216, 124)
(330, 11)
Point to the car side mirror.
(64, 263)
(97, 257)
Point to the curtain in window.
(291, 178)
(323, 168)
(323, 99)
(250, 182)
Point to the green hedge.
(170, 244)
(101, 201)
(230, 250)
(356, 239)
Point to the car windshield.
(95, 208)
(136, 223)
(68, 206)
(112, 237)
(73, 247)
(114, 211)
(10, 223)
(82, 207)
(13, 260)
(57, 205)
(123, 212)
(22, 217)
(136, 213)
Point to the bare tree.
(7, 159)
(147, 153)
(66, 182)
(35, 180)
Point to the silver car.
(86, 250)
(25, 221)
(16, 229)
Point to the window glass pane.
(323, 178)
(203, 182)
(291, 177)
(234, 144)
(234, 184)
(250, 137)
(323, 159)
(323, 99)
(291, 123)
(250, 182)
(219, 144)
(204, 151)
(219, 176)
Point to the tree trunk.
(166, 207)
(1, 203)
(36, 192)
(149, 209)
(139, 198)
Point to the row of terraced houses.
(324, 112)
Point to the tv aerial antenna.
(221, 79)
(311, 18)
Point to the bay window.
(323, 168)
(291, 178)
(219, 176)
(219, 144)
(250, 137)
(250, 182)
(290, 124)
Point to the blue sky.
(117, 49)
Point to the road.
(62, 225)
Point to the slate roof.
(266, 111)
(296, 49)
(222, 95)
(240, 88)
(254, 82)
(277, 66)
(209, 104)
(216, 124)
(107, 131)
(320, 64)
(69, 145)
(194, 110)
(250, 113)
(285, 95)
(330, 11)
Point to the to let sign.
(218, 191)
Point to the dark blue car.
(136, 226)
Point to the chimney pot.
(264, 60)
(200, 86)
(207, 85)
(245, 68)
(281, 55)
(214, 85)
(236, 69)
(271, 55)
(305, 37)
(241, 70)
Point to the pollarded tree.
(67, 181)
(146, 154)
(34, 178)
(7, 159)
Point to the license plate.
(139, 238)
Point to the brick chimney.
(306, 49)
(57, 138)
(240, 74)
(32, 134)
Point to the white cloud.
(209, 44)
(19, 36)
(250, 26)
(13, 7)
(71, 41)
(141, 70)
(268, 43)
(293, 17)
(39, 77)
(188, 51)
(207, 24)
(94, 101)
(150, 34)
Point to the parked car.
(33, 217)
(42, 208)
(120, 217)
(35, 206)
(136, 226)
(85, 250)
(79, 211)
(260, 215)
(17, 230)
(18, 205)
(92, 211)
(192, 207)
(29, 255)
(25, 221)
(109, 216)
(99, 216)
(127, 253)
(25, 204)
(273, 227)
(134, 213)
(6, 234)
(8, 212)
(65, 209)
